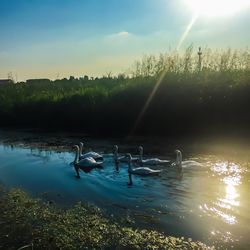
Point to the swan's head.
(81, 144)
(178, 152)
(129, 157)
(115, 148)
(178, 157)
(141, 149)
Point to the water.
(209, 203)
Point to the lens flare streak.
(187, 31)
(145, 107)
(163, 74)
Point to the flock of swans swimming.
(92, 160)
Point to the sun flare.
(217, 8)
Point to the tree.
(71, 78)
(11, 77)
(85, 78)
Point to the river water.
(208, 202)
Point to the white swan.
(152, 161)
(144, 171)
(186, 164)
(84, 163)
(118, 159)
(92, 154)
(178, 160)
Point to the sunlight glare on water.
(223, 206)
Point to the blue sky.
(59, 38)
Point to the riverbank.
(28, 223)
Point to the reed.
(191, 98)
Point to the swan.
(118, 159)
(144, 171)
(92, 154)
(88, 162)
(187, 164)
(178, 160)
(152, 161)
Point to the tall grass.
(191, 98)
(188, 62)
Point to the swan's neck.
(116, 156)
(179, 160)
(76, 156)
(81, 148)
(140, 156)
(129, 165)
(130, 179)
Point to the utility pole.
(200, 59)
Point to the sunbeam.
(187, 31)
(163, 74)
(146, 105)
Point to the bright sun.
(213, 8)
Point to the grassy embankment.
(190, 99)
(28, 223)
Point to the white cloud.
(119, 35)
(123, 34)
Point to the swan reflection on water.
(176, 175)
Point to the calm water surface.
(209, 203)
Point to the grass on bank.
(27, 223)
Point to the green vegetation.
(28, 223)
(194, 96)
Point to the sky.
(59, 38)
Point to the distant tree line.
(192, 96)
